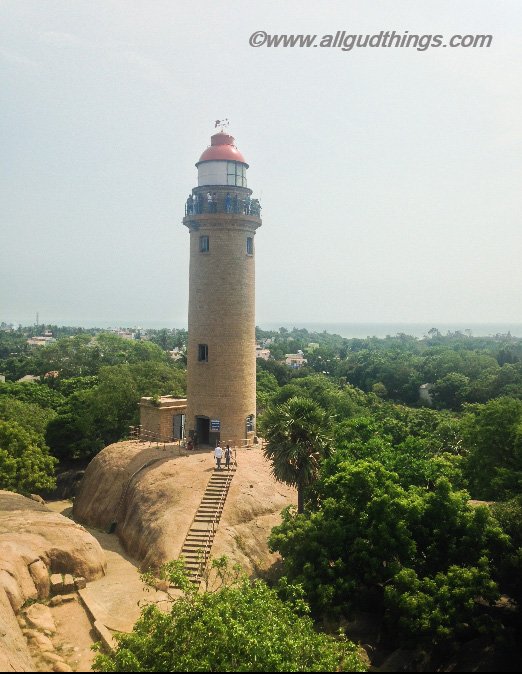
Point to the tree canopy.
(25, 463)
(492, 435)
(368, 534)
(244, 627)
(297, 434)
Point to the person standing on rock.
(218, 453)
(228, 456)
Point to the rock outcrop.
(35, 542)
(150, 495)
(14, 654)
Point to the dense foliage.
(25, 464)
(388, 526)
(244, 627)
(88, 387)
(78, 352)
(94, 416)
(493, 435)
(368, 535)
(460, 368)
(509, 515)
(384, 477)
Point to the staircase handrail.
(212, 528)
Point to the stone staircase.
(200, 537)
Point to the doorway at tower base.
(203, 434)
(208, 432)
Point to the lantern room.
(222, 163)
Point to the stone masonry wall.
(222, 315)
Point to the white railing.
(212, 527)
(140, 434)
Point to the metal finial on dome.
(222, 124)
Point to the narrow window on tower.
(250, 245)
(250, 423)
(203, 353)
(204, 244)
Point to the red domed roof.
(222, 148)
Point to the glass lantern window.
(236, 174)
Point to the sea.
(349, 330)
(362, 330)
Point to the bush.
(245, 628)
(493, 437)
(25, 464)
(440, 608)
(509, 515)
(368, 532)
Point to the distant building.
(124, 334)
(28, 378)
(312, 346)
(176, 353)
(2, 377)
(41, 340)
(262, 353)
(424, 394)
(295, 360)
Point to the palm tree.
(297, 433)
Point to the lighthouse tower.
(222, 218)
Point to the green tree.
(75, 433)
(492, 435)
(281, 372)
(419, 445)
(438, 608)
(340, 402)
(69, 386)
(25, 464)
(94, 417)
(367, 532)
(509, 515)
(83, 355)
(298, 437)
(266, 388)
(30, 416)
(244, 627)
(451, 390)
(32, 392)
(380, 389)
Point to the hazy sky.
(390, 179)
